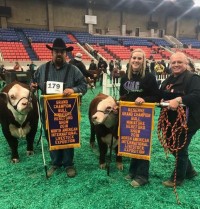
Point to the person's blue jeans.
(63, 157)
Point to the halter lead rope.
(172, 143)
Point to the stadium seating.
(85, 37)
(110, 47)
(121, 52)
(126, 41)
(148, 51)
(192, 53)
(190, 42)
(13, 51)
(44, 36)
(160, 42)
(8, 34)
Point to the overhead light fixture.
(196, 3)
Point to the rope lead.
(171, 142)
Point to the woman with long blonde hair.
(139, 86)
(142, 68)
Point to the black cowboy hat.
(59, 44)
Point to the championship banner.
(62, 121)
(135, 129)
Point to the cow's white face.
(19, 101)
(103, 114)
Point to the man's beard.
(59, 61)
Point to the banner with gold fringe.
(135, 129)
(62, 121)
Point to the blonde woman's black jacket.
(146, 88)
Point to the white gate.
(110, 86)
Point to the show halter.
(15, 106)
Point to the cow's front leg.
(13, 144)
(102, 151)
(92, 135)
(30, 141)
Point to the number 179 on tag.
(53, 87)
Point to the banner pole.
(41, 137)
(58, 95)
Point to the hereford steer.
(18, 116)
(104, 124)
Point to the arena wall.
(64, 16)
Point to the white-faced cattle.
(18, 116)
(104, 124)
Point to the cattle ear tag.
(53, 87)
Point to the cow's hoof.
(120, 166)
(15, 160)
(102, 166)
(28, 153)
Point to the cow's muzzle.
(26, 103)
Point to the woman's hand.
(139, 101)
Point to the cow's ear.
(4, 96)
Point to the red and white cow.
(18, 116)
(104, 124)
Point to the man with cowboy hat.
(58, 70)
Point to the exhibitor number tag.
(53, 87)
